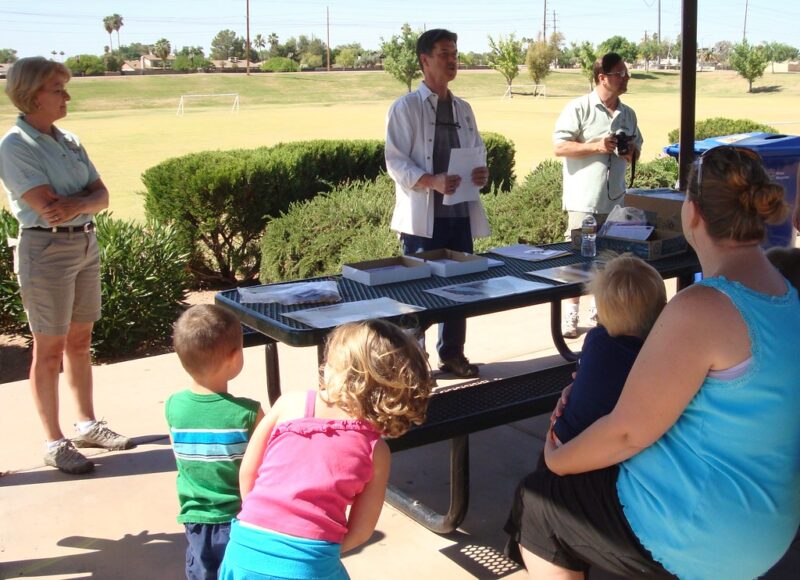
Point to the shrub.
(279, 64)
(718, 126)
(143, 280)
(220, 201)
(12, 315)
(314, 238)
(500, 153)
(530, 212)
(660, 172)
(351, 224)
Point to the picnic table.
(454, 412)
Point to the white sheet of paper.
(640, 233)
(462, 162)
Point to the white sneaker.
(569, 325)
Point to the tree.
(722, 51)
(587, 58)
(226, 45)
(85, 65)
(400, 56)
(274, 44)
(162, 49)
(260, 43)
(347, 57)
(779, 52)
(749, 62)
(116, 23)
(540, 55)
(505, 56)
(7, 55)
(622, 46)
(649, 49)
(108, 24)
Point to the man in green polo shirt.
(585, 136)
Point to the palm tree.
(259, 43)
(108, 24)
(273, 41)
(117, 23)
(162, 49)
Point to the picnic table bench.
(455, 412)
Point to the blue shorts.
(206, 548)
(255, 554)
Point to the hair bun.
(766, 199)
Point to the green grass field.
(129, 123)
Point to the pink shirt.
(311, 472)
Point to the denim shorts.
(59, 279)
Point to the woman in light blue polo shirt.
(696, 471)
(54, 190)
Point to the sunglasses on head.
(732, 151)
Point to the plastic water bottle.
(589, 237)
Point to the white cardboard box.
(386, 270)
(451, 263)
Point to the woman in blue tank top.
(696, 471)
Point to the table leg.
(459, 494)
(273, 372)
(555, 332)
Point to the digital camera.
(623, 142)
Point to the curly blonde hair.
(376, 372)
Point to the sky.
(38, 27)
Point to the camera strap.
(633, 168)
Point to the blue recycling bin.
(781, 156)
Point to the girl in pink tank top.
(320, 452)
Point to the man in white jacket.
(421, 129)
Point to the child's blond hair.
(629, 294)
(787, 261)
(204, 337)
(376, 372)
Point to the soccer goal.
(184, 98)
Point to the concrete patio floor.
(119, 522)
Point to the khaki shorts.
(575, 219)
(59, 279)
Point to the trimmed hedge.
(531, 212)
(143, 282)
(719, 126)
(351, 223)
(220, 201)
(314, 238)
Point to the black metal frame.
(270, 319)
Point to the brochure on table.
(486, 289)
(462, 162)
(337, 314)
(574, 273)
(530, 253)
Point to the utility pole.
(744, 30)
(247, 56)
(544, 23)
(328, 43)
(555, 30)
